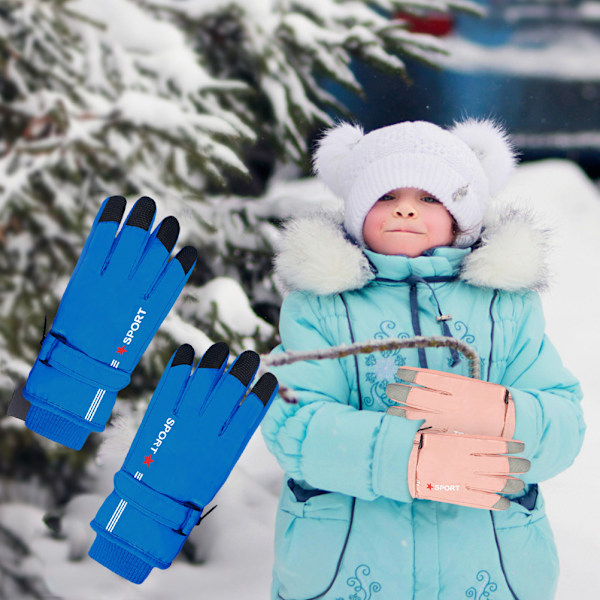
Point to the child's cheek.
(371, 223)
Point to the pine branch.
(13, 577)
(368, 347)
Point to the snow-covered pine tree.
(167, 98)
(158, 97)
(286, 50)
(97, 98)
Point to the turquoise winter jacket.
(347, 527)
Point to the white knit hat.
(463, 167)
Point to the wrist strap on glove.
(181, 517)
(56, 352)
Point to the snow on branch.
(368, 347)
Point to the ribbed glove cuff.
(135, 528)
(119, 560)
(63, 408)
(56, 428)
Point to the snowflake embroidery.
(382, 366)
(386, 367)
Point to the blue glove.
(193, 433)
(118, 295)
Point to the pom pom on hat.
(333, 152)
(491, 146)
(463, 167)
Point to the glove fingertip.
(113, 209)
(265, 388)
(187, 257)
(396, 411)
(407, 375)
(514, 447)
(398, 392)
(501, 504)
(518, 465)
(513, 486)
(245, 366)
(168, 232)
(183, 356)
(142, 213)
(215, 356)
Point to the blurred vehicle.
(535, 66)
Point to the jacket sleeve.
(547, 397)
(322, 440)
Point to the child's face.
(407, 221)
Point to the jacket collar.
(441, 262)
(315, 254)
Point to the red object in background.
(438, 24)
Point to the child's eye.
(387, 197)
(430, 199)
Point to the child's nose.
(405, 208)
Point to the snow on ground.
(570, 203)
(237, 536)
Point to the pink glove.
(468, 470)
(453, 403)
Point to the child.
(411, 258)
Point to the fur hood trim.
(314, 254)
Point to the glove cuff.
(135, 529)
(56, 428)
(119, 560)
(65, 409)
